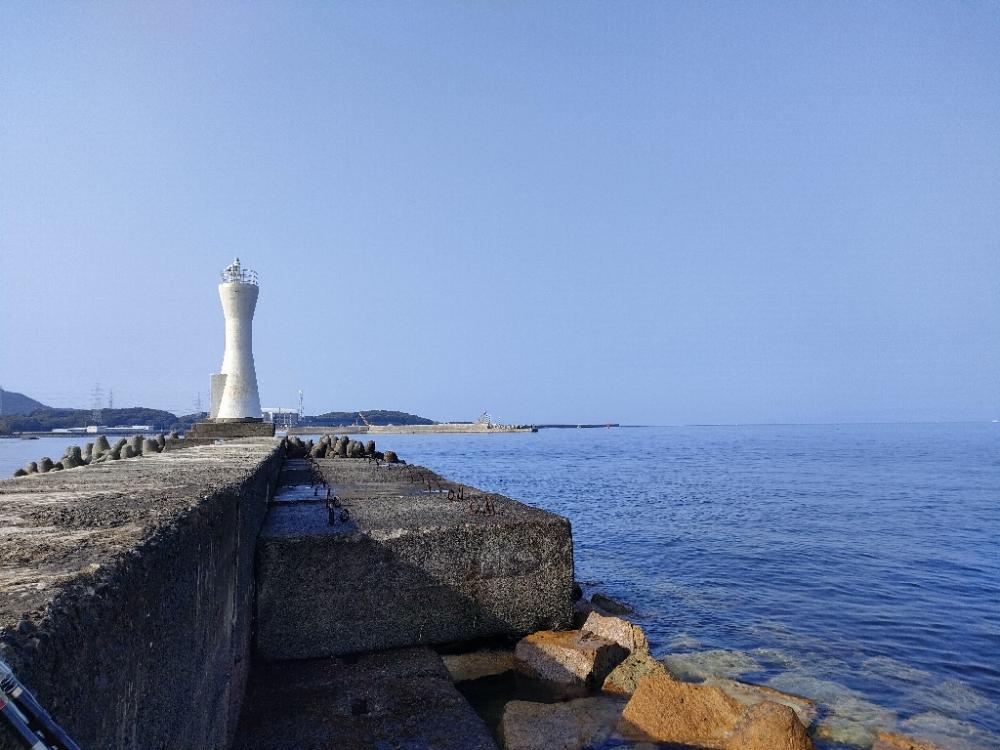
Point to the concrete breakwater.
(416, 429)
(126, 592)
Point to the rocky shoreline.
(599, 685)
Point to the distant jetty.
(421, 429)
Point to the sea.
(858, 565)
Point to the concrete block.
(410, 567)
(126, 591)
(395, 699)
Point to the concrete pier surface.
(419, 561)
(394, 699)
(126, 592)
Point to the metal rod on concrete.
(26, 716)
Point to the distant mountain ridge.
(47, 419)
(24, 414)
(373, 416)
(12, 402)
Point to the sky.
(642, 212)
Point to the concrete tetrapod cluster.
(334, 446)
(100, 451)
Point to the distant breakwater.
(415, 429)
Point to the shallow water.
(857, 565)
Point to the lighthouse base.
(223, 429)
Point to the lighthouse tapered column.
(239, 398)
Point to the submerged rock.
(684, 642)
(571, 725)
(569, 657)
(883, 667)
(895, 741)
(611, 606)
(949, 733)
(769, 726)
(854, 721)
(700, 665)
(664, 710)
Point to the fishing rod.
(26, 718)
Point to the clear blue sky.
(667, 212)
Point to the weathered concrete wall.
(126, 592)
(410, 567)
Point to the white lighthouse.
(234, 388)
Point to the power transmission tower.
(301, 412)
(111, 398)
(96, 399)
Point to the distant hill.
(12, 402)
(45, 419)
(375, 416)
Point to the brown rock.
(581, 611)
(624, 678)
(615, 629)
(476, 664)
(664, 710)
(895, 741)
(769, 726)
(571, 725)
(568, 657)
(751, 695)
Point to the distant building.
(281, 417)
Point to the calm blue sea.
(856, 564)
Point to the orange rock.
(568, 657)
(622, 632)
(664, 710)
(769, 726)
(894, 741)
(624, 678)
(750, 695)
